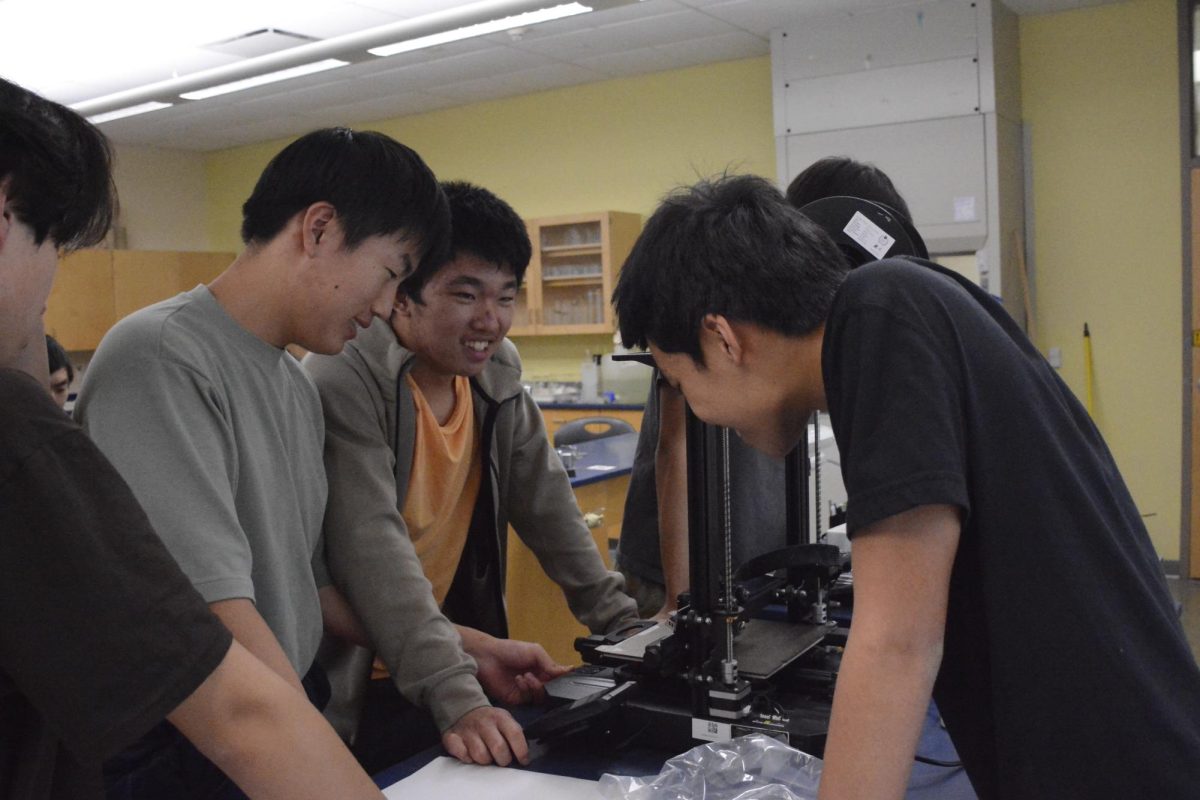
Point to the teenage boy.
(432, 447)
(653, 550)
(217, 428)
(101, 635)
(999, 560)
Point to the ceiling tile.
(761, 16)
(381, 108)
(726, 47)
(622, 36)
(71, 62)
(631, 62)
(487, 62)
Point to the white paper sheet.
(448, 777)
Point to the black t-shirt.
(1065, 673)
(101, 635)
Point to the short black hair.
(379, 187)
(841, 176)
(58, 358)
(482, 225)
(730, 246)
(56, 170)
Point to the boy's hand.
(513, 672)
(485, 735)
(510, 671)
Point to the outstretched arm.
(267, 737)
(902, 570)
(670, 478)
(544, 512)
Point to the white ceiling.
(116, 45)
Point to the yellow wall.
(163, 206)
(618, 145)
(1100, 97)
(1099, 93)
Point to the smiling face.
(349, 287)
(466, 312)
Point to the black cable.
(935, 762)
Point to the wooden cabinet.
(570, 279)
(95, 288)
(80, 308)
(143, 277)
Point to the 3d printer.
(754, 649)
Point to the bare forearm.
(252, 632)
(474, 641)
(670, 469)
(673, 548)
(902, 568)
(270, 741)
(882, 695)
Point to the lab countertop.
(601, 459)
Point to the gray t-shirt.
(220, 435)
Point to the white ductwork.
(929, 93)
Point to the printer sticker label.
(869, 235)
(709, 730)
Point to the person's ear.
(724, 336)
(6, 216)
(402, 305)
(315, 225)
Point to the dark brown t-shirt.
(101, 635)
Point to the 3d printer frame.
(688, 685)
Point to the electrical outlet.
(1055, 357)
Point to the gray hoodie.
(369, 439)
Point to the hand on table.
(485, 735)
(513, 672)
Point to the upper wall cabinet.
(571, 275)
(95, 288)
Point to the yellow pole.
(1087, 369)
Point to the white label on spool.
(872, 237)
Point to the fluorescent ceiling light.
(128, 111)
(265, 78)
(482, 28)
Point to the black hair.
(58, 358)
(379, 187)
(482, 225)
(731, 246)
(842, 176)
(56, 170)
